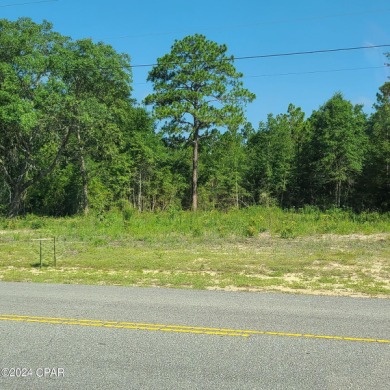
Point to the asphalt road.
(100, 337)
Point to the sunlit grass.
(254, 248)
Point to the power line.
(31, 2)
(263, 23)
(307, 72)
(297, 53)
(311, 52)
(268, 56)
(317, 71)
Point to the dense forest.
(72, 138)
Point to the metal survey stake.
(54, 252)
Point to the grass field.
(305, 251)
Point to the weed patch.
(252, 249)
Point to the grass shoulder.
(254, 249)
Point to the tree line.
(72, 138)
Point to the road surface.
(107, 337)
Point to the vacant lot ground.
(277, 253)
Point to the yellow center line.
(177, 328)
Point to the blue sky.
(146, 30)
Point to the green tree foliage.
(33, 126)
(98, 88)
(196, 89)
(296, 190)
(179, 163)
(275, 157)
(223, 167)
(337, 148)
(58, 99)
(375, 183)
(152, 184)
(72, 138)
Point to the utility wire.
(316, 71)
(297, 53)
(31, 2)
(263, 56)
(303, 73)
(311, 52)
(250, 25)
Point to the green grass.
(251, 249)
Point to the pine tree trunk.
(237, 196)
(140, 191)
(338, 193)
(83, 175)
(195, 172)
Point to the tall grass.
(255, 247)
(174, 225)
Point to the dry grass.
(354, 264)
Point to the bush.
(250, 231)
(288, 230)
